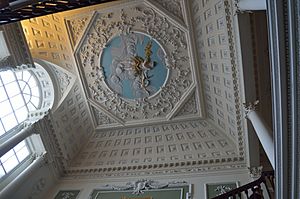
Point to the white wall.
(197, 180)
(36, 185)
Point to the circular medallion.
(134, 65)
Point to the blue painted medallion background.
(110, 54)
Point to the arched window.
(19, 94)
(22, 93)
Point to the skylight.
(19, 94)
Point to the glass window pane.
(3, 95)
(22, 84)
(12, 89)
(32, 82)
(35, 91)
(31, 107)
(11, 163)
(23, 153)
(27, 98)
(9, 122)
(22, 114)
(2, 172)
(19, 146)
(35, 101)
(7, 155)
(16, 98)
(2, 131)
(19, 74)
(5, 108)
(17, 101)
(27, 90)
(26, 75)
(7, 76)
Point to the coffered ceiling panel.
(192, 146)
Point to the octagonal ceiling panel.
(136, 64)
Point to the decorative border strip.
(235, 77)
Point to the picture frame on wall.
(215, 189)
(69, 194)
(173, 193)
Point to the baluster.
(253, 193)
(271, 179)
(240, 195)
(267, 188)
(246, 193)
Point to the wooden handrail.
(252, 189)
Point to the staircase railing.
(253, 190)
(17, 10)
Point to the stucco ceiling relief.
(76, 27)
(190, 108)
(136, 64)
(174, 7)
(102, 119)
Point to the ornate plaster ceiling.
(172, 25)
(108, 66)
(193, 35)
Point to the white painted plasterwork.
(189, 108)
(214, 27)
(174, 7)
(14, 53)
(140, 17)
(71, 123)
(194, 144)
(47, 39)
(139, 186)
(76, 27)
(188, 146)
